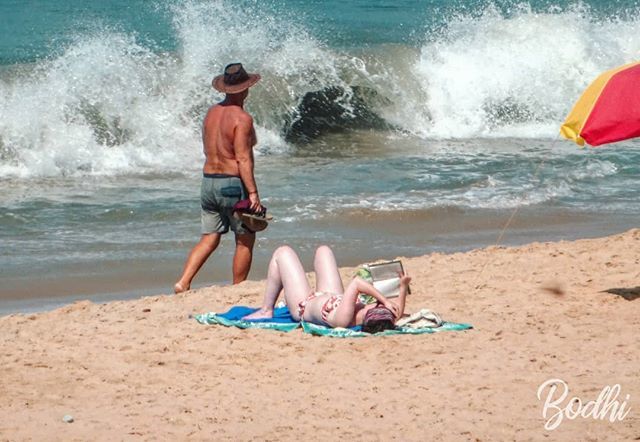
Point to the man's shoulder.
(244, 117)
(235, 114)
(243, 120)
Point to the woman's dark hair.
(378, 319)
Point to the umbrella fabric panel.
(576, 120)
(616, 114)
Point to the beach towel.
(282, 321)
(356, 332)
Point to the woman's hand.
(395, 309)
(404, 279)
(404, 290)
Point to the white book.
(385, 277)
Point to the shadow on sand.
(628, 294)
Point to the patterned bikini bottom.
(328, 307)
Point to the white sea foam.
(496, 76)
(104, 106)
(507, 186)
(109, 105)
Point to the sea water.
(386, 128)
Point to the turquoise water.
(436, 120)
(32, 29)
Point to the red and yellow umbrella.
(608, 110)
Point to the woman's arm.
(346, 313)
(404, 289)
(365, 287)
(397, 307)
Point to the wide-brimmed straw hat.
(234, 80)
(255, 223)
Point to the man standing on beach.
(228, 137)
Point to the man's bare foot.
(260, 314)
(179, 288)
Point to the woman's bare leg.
(327, 274)
(285, 273)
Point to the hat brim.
(219, 84)
(254, 223)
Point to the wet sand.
(142, 370)
(356, 235)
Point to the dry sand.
(141, 370)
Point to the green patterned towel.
(282, 321)
(355, 332)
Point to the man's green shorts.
(218, 194)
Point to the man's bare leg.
(285, 272)
(197, 257)
(243, 256)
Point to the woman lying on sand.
(330, 304)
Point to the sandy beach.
(143, 370)
(411, 130)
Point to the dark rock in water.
(332, 109)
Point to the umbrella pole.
(511, 218)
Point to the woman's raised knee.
(283, 250)
(324, 250)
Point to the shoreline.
(372, 236)
(142, 368)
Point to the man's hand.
(255, 202)
(243, 149)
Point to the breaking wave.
(107, 104)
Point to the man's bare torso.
(218, 137)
